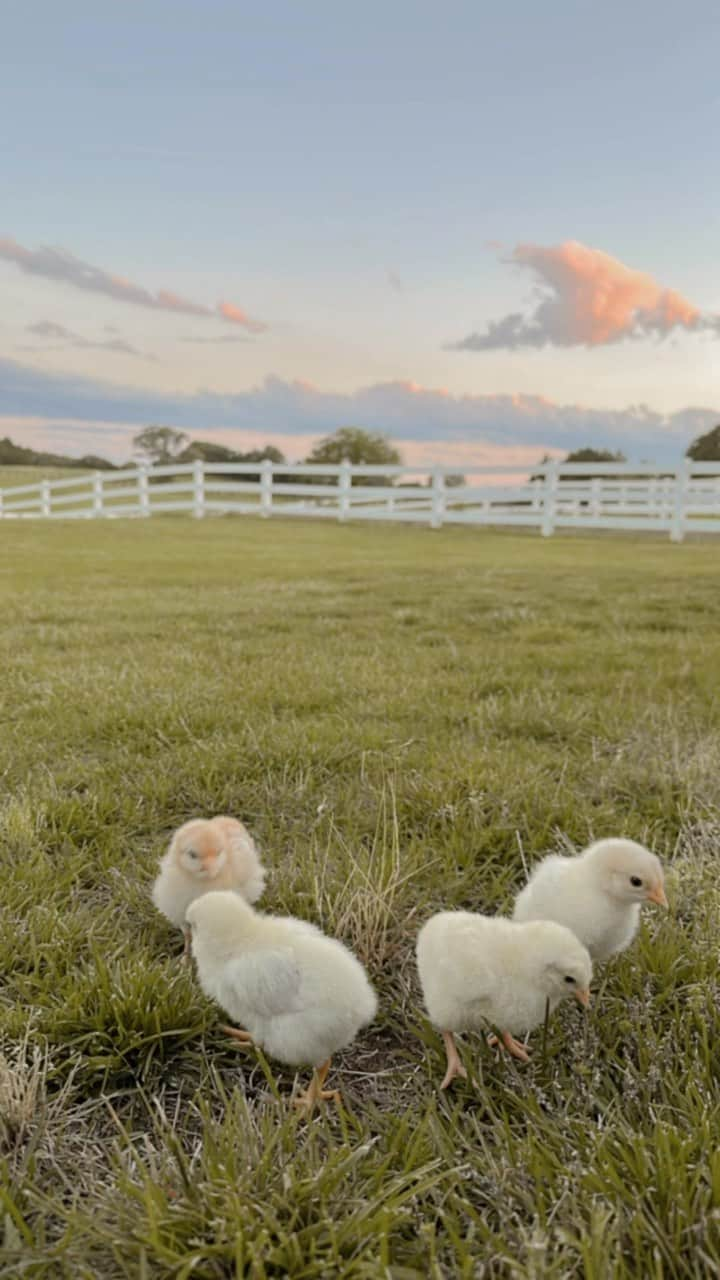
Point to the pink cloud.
(588, 298)
(234, 315)
(65, 268)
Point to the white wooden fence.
(674, 500)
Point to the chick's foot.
(454, 1065)
(315, 1092)
(513, 1046)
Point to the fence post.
(438, 498)
(677, 524)
(198, 489)
(344, 486)
(266, 494)
(45, 497)
(97, 506)
(549, 500)
(595, 496)
(143, 490)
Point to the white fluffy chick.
(477, 969)
(296, 993)
(205, 854)
(597, 894)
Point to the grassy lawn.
(402, 718)
(12, 476)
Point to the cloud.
(234, 315)
(587, 298)
(66, 338)
(64, 267)
(221, 340)
(402, 410)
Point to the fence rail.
(675, 500)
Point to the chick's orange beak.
(657, 894)
(582, 995)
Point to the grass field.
(403, 718)
(12, 476)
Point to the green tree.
(208, 451)
(12, 455)
(595, 455)
(706, 448)
(587, 454)
(267, 454)
(352, 444)
(159, 444)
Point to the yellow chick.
(478, 969)
(205, 854)
(597, 893)
(298, 994)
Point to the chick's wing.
(268, 980)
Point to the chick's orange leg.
(454, 1065)
(238, 1034)
(315, 1092)
(327, 1094)
(513, 1046)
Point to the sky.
(489, 232)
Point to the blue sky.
(375, 190)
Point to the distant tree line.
(706, 448)
(163, 445)
(16, 455)
(160, 445)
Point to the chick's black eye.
(569, 977)
(636, 881)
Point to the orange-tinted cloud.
(588, 298)
(58, 264)
(234, 315)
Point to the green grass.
(12, 476)
(402, 718)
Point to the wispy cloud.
(221, 340)
(58, 334)
(65, 268)
(587, 298)
(403, 410)
(228, 311)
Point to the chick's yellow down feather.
(597, 893)
(205, 854)
(297, 994)
(477, 970)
